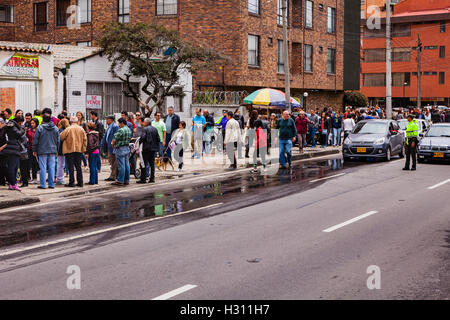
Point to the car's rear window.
(370, 127)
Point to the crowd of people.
(52, 146)
(56, 147)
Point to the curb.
(18, 202)
(315, 154)
(76, 193)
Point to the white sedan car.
(423, 126)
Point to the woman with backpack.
(93, 152)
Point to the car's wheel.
(419, 160)
(402, 152)
(388, 154)
(347, 159)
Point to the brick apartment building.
(431, 20)
(249, 32)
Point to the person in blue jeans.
(287, 134)
(314, 121)
(45, 148)
(336, 122)
(121, 145)
(93, 152)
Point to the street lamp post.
(404, 85)
(305, 94)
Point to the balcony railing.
(213, 97)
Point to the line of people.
(49, 145)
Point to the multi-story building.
(429, 19)
(249, 32)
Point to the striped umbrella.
(269, 97)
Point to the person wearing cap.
(108, 147)
(74, 141)
(45, 147)
(121, 144)
(412, 138)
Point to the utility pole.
(419, 50)
(287, 81)
(388, 62)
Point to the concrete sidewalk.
(206, 165)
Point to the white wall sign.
(93, 102)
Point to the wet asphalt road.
(127, 205)
(261, 243)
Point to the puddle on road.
(107, 210)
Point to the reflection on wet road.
(134, 205)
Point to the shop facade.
(26, 79)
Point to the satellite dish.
(170, 51)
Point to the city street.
(309, 233)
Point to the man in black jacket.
(150, 145)
(172, 122)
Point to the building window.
(429, 73)
(309, 14)
(166, 7)
(401, 54)
(442, 52)
(124, 11)
(178, 101)
(430, 47)
(374, 79)
(400, 30)
(7, 14)
(253, 50)
(442, 26)
(61, 12)
(374, 55)
(280, 57)
(84, 11)
(84, 43)
(40, 16)
(331, 61)
(441, 77)
(331, 20)
(400, 78)
(280, 12)
(253, 6)
(375, 33)
(308, 58)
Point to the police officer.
(412, 133)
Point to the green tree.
(155, 53)
(355, 98)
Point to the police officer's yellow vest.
(412, 130)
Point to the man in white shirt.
(232, 138)
(349, 124)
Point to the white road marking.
(330, 177)
(338, 226)
(439, 184)
(175, 292)
(93, 233)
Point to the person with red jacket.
(260, 144)
(302, 128)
